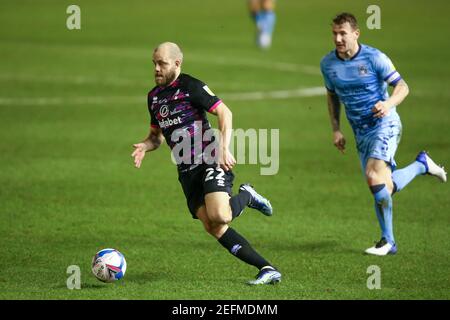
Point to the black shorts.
(201, 180)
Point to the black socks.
(239, 202)
(238, 246)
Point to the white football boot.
(382, 248)
(431, 167)
(267, 275)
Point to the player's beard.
(166, 79)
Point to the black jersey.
(180, 111)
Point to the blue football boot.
(257, 201)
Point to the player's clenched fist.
(380, 110)
(226, 160)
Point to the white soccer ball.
(109, 265)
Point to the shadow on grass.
(83, 286)
(145, 277)
(142, 278)
(95, 286)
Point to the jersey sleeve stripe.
(390, 75)
(215, 105)
(393, 77)
(154, 126)
(394, 82)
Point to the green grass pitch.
(73, 102)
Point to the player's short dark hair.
(344, 17)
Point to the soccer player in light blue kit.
(263, 14)
(358, 76)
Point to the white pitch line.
(270, 65)
(197, 57)
(241, 96)
(275, 95)
(75, 79)
(51, 101)
(145, 54)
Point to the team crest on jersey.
(362, 69)
(208, 90)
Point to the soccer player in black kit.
(178, 106)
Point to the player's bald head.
(167, 58)
(169, 50)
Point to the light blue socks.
(404, 176)
(383, 208)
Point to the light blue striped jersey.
(360, 82)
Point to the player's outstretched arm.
(334, 110)
(152, 142)
(381, 108)
(225, 120)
